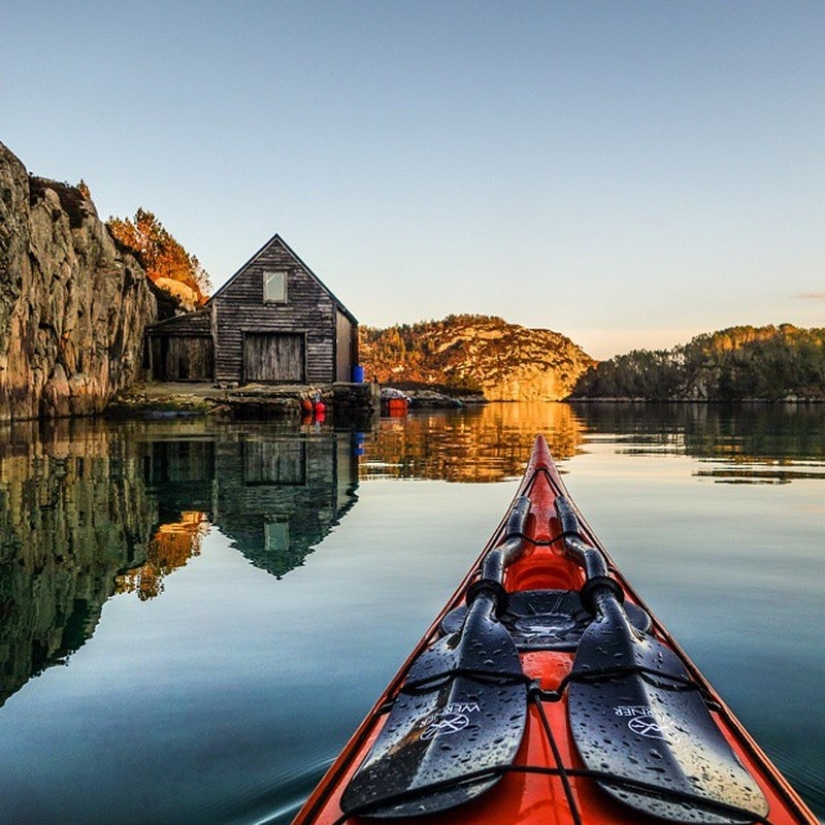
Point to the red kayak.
(547, 692)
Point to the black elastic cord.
(597, 583)
(485, 677)
(535, 695)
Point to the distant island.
(742, 363)
(484, 354)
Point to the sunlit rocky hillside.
(483, 353)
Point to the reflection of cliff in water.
(88, 510)
(475, 444)
(72, 514)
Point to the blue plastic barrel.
(357, 374)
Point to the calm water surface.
(195, 617)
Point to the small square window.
(276, 536)
(275, 285)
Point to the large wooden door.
(274, 357)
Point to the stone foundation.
(343, 401)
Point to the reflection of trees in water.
(758, 431)
(483, 444)
(748, 441)
(769, 443)
(169, 549)
(754, 430)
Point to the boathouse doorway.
(274, 357)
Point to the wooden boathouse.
(272, 322)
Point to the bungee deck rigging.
(547, 692)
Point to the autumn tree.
(159, 253)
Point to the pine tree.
(159, 253)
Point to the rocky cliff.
(72, 306)
(505, 361)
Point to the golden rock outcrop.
(505, 361)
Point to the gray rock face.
(73, 308)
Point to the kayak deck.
(547, 776)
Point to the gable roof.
(277, 239)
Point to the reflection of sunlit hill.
(484, 444)
(171, 547)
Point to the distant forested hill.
(740, 363)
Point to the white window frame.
(271, 275)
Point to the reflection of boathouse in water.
(276, 496)
(99, 512)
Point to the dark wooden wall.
(182, 358)
(242, 317)
(181, 349)
(346, 346)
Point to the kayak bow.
(546, 692)
(467, 688)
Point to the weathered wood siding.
(346, 347)
(241, 312)
(274, 357)
(182, 348)
(182, 358)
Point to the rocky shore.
(254, 400)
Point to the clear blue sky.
(627, 173)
